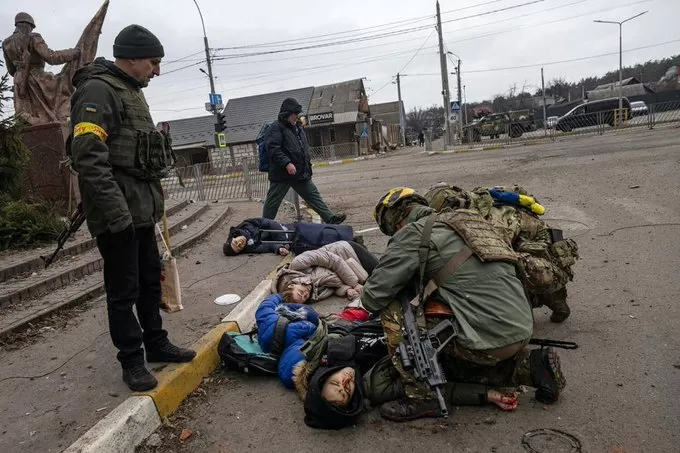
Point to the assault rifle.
(420, 352)
(75, 222)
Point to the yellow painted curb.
(492, 148)
(176, 382)
(347, 161)
(321, 164)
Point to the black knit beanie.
(135, 42)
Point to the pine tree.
(14, 156)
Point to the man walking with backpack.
(290, 165)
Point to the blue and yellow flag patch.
(92, 108)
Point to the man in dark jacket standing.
(291, 166)
(120, 158)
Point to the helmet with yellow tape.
(392, 208)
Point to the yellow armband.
(90, 128)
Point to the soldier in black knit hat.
(120, 158)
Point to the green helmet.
(392, 208)
(24, 18)
(443, 196)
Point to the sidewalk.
(53, 391)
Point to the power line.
(362, 31)
(367, 38)
(178, 60)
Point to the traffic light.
(221, 124)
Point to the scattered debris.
(634, 187)
(631, 316)
(184, 227)
(102, 409)
(62, 374)
(185, 434)
(676, 366)
(154, 440)
(490, 421)
(113, 394)
(198, 262)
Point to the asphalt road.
(618, 195)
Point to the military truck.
(514, 123)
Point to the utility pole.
(460, 100)
(445, 78)
(545, 118)
(401, 112)
(465, 101)
(208, 62)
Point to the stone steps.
(34, 262)
(14, 317)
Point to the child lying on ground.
(334, 269)
(337, 363)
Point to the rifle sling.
(456, 261)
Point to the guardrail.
(215, 181)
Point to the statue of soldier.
(35, 91)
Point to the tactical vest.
(137, 147)
(478, 234)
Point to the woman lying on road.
(339, 268)
(246, 237)
(340, 363)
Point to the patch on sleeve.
(92, 108)
(90, 128)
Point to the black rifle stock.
(75, 222)
(420, 352)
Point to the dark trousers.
(132, 277)
(307, 191)
(366, 258)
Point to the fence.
(333, 152)
(578, 122)
(221, 181)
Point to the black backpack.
(241, 351)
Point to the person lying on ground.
(340, 363)
(334, 269)
(247, 237)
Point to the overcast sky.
(490, 45)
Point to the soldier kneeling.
(545, 260)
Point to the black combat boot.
(169, 353)
(546, 374)
(407, 409)
(557, 302)
(138, 378)
(337, 219)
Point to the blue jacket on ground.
(303, 322)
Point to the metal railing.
(575, 124)
(334, 152)
(220, 181)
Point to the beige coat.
(332, 269)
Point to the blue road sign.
(455, 107)
(215, 99)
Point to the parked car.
(591, 114)
(638, 108)
(551, 121)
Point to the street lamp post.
(620, 24)
(209, 64)
(460, 101)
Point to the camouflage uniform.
(460, 364)
(543, 267)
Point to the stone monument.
(43, 100)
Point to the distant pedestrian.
(290, 165)
(421, 139)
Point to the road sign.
(455, 107)
(221, 140)
(215, 99)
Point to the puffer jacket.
(303, 321)
(331, 269)
(287, 144)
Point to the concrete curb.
(486, 148)
(342, 161)
(122, 430)
(140, 415)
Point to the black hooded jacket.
(287, 144)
